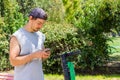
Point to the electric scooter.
(68, 67)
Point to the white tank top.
(29, 42)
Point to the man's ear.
(30, 17)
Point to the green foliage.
(13, 18)
(115, 44)
(60, 38)
(106, 15)
(94, 19)
(95, 55)
(117, 18)
(54, 9)
(26, 6)
(103, 22)
(59, 35)
(71, 8)
(4, 63)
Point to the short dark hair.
(38, 13)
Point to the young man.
(27, 48)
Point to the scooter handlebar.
(67, 54)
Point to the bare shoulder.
(14, 45)
(13, 41)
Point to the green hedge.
(4, 60)
(60, 38)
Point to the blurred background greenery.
(93, 26)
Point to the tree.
(93, 19)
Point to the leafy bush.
(94, 19)
(4, 63)
(60, 38)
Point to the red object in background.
(4, 76)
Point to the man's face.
(36, 24)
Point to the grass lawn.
(115, 43)
(78, 77)
(84, 77)
(115, 56)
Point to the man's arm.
(16, 59)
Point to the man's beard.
(35, 30)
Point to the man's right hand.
(41, 54)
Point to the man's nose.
(39, 27)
